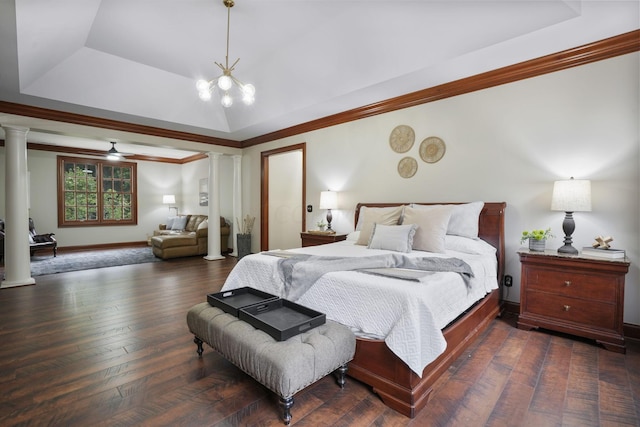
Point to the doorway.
(283, 196)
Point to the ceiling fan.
(113, 153)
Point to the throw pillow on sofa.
(179, 223)
(169, 222)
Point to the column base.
(213, 257)
(16, 283)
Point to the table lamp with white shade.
(570, 195)
(329, 200)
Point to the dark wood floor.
(110, 347)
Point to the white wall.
(507, 143)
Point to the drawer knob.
(567, 307)
(567, 282)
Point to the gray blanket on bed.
(300, 272)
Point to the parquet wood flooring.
(110, 347)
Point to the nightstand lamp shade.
(571, 195)
(329, 200)
(170, 199)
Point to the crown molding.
(582, 55)
(608, 48)
(84, 120)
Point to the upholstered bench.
(284, 367)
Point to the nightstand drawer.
(585, 312)
(567, 283)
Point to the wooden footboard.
(399, 387)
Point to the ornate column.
(213, 242)
(17, 264)
(237, 200)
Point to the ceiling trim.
(80, 119)
(101, 153)
(582, 55)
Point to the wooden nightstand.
(577, 295)
(312, 239)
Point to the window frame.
(99, 164)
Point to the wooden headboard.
(490, 225)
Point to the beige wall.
(507, 143)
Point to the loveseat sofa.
(186, 235)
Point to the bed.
(407, 341)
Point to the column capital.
(16, 128)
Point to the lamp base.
(568, 226)
(568, 249)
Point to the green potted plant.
(321, 225)
(537, 239)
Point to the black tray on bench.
(233, 300)
(281, 318)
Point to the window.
(95, 192)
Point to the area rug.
(42, 264)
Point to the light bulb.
(226, 100)
(225, 82)
(249, 89)
(248, 99)
(205, 95)
(202, 85)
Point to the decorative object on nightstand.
(328, 201)
(601, 249)
(571, 195)
(602, 242)
(537, 239)
(170, 199)
(574, 295)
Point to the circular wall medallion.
(402, 138)
(407, 167)
(432, 149)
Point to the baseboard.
(629, 330)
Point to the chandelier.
(226, 82)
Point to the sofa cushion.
(194, 222)
(174, 241)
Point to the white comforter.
(408, 315)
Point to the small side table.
(574, 294)
(315, 239)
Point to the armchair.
(36, 241)
(41, 241)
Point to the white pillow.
(467, 245)
(353, 236)
(179, 223)
(203, 224)
(432, 222)
(169, 222)
(397, 238)
(464, 218)
(384, 216)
